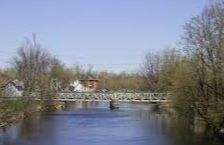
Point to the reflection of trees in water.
(155, 122)
(80, 105)
(9, 135)
(174, 129)
(38, 128)
(30, 127)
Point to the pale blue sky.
(95, 31)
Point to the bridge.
(133, 97)
(114, 98)
(78, 96)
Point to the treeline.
(125, 82)
(194, 74)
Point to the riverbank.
(13, 111)
(12, 119)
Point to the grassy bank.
(12, 111)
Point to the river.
(84, 123)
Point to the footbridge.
(114, 98)
(84, 96)
(132, 97)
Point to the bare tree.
(150, 70)
(31, 62)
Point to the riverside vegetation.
(193, 74)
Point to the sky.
(111, 35)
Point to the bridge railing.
(120, 96)
(101, 96)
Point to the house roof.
(18, 83)
(14, 82)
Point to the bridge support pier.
(114, 104)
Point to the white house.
(76, 86)
(12, 88)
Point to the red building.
(90, 84)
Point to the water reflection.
(88, 123)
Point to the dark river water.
(95, 124)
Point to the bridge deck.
(127, 97)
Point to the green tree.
(203, 42)
(61, 74)
(171, 59)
